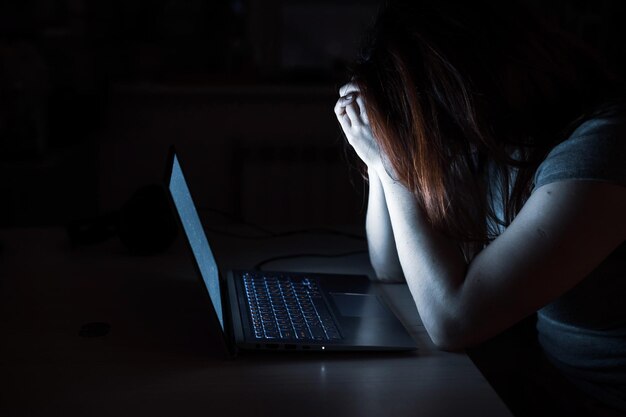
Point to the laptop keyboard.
(283, 307)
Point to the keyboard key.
(287, 307)
(303, 334)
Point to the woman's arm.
(434, 266)
(380, 239)
(563, 232)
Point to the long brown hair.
(458, 92)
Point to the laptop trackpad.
(358, 305)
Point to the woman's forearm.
(380, 238)
(433, 265)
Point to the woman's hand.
(352, 116)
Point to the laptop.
(273, 310)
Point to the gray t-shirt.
(583, 332)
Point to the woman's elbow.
(449, 334)
(447, 343)
(384, 273)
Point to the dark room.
(312, 208)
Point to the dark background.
(93, 92)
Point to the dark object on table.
(145, 224)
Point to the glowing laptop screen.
(196, 236)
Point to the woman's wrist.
(377, 168)
(372, 174)
(383, 174)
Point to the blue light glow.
(196, 236)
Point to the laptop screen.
(196, 236)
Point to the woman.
(495, 150)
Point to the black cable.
(259, 265)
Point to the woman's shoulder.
(595, 150)
(609, 121)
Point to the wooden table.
(159, 358)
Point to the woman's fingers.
(353, 112)
(348, 88)
(350, 109)
(346, 107)
(340, 108)
(342, 102)
(362, 112)
(352, 116)
(349, 92)
(342, 116)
